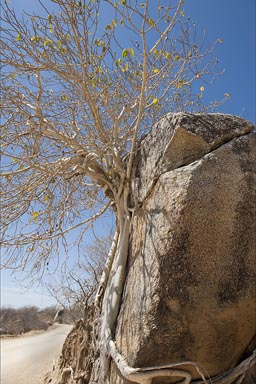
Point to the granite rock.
(190, 287)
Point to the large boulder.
(190, 289)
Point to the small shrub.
(15, 321)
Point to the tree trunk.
(190, 289)
(111, 302)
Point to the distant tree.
(75, 289)
(47, 314)
(15, 321)
(7, 321)
(82, 81)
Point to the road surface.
(26, 359)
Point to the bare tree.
(78, 92)
(75, 288)
(20, 320)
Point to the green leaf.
(64, 97)
(151, 22)
(99, 70)
(131, 51)
(35, 39)
(35, 216)
(118, 61)
(47, 42)
(124, 53)
(99, 43)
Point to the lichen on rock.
(190, 287)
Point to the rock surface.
(190, 290)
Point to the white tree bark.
(112, 296)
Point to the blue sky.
(15, 296)
(234, 22)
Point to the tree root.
(66, 374)
(235, 375)
(146, 375)
(108, 304)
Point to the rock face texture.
(190, 289)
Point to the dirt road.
(27, 359)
